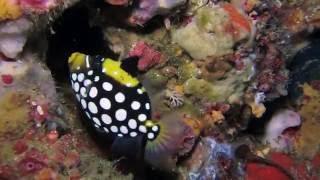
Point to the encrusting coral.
(307, 144)
(10, 10)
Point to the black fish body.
(116, 103)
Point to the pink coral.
(32, 162)
(38, 6)
(36, 155)
(20, 146)
(30, 165)
(148, 56)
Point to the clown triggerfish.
(115, 102)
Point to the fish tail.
(175, 139)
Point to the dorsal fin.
(130, 65)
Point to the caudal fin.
(175, 139)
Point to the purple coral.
(147, 9)
(280, 122)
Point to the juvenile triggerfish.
(115, 102)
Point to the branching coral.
(174, 99)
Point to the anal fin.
(131, 147)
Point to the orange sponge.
(10, 9)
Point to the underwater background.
(159, 89)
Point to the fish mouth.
(77, 61)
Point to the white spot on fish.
(107, 86)
(135, 105)
(106, 119)
(87, 61)
(80, 77)
(133, 134)
(92, 108)
(114, 129)
(88, 115)
(76, 87)
(74, 76)
(87, 82)
(142, 129)
(120, 97)
(78, 97)
(83, 92)
(105, 103)
(93, 92)
(155, 128)
(139, 91)
(150, 135)
(84, 103)
(147, 106)
(132, 123)
(90, 72)
(121, 114)
(96, 120)
(142, 117)
(124, 130)
(120, 135)
(96, 79)
(105, 129)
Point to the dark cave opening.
(72, 32)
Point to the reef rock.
(13, 36)
(213, 31)
(147, 9)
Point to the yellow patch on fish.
(76, 61)
(112, 68)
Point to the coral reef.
(223, 79)
(213, 31)
(211, 160)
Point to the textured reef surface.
(233, 89)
